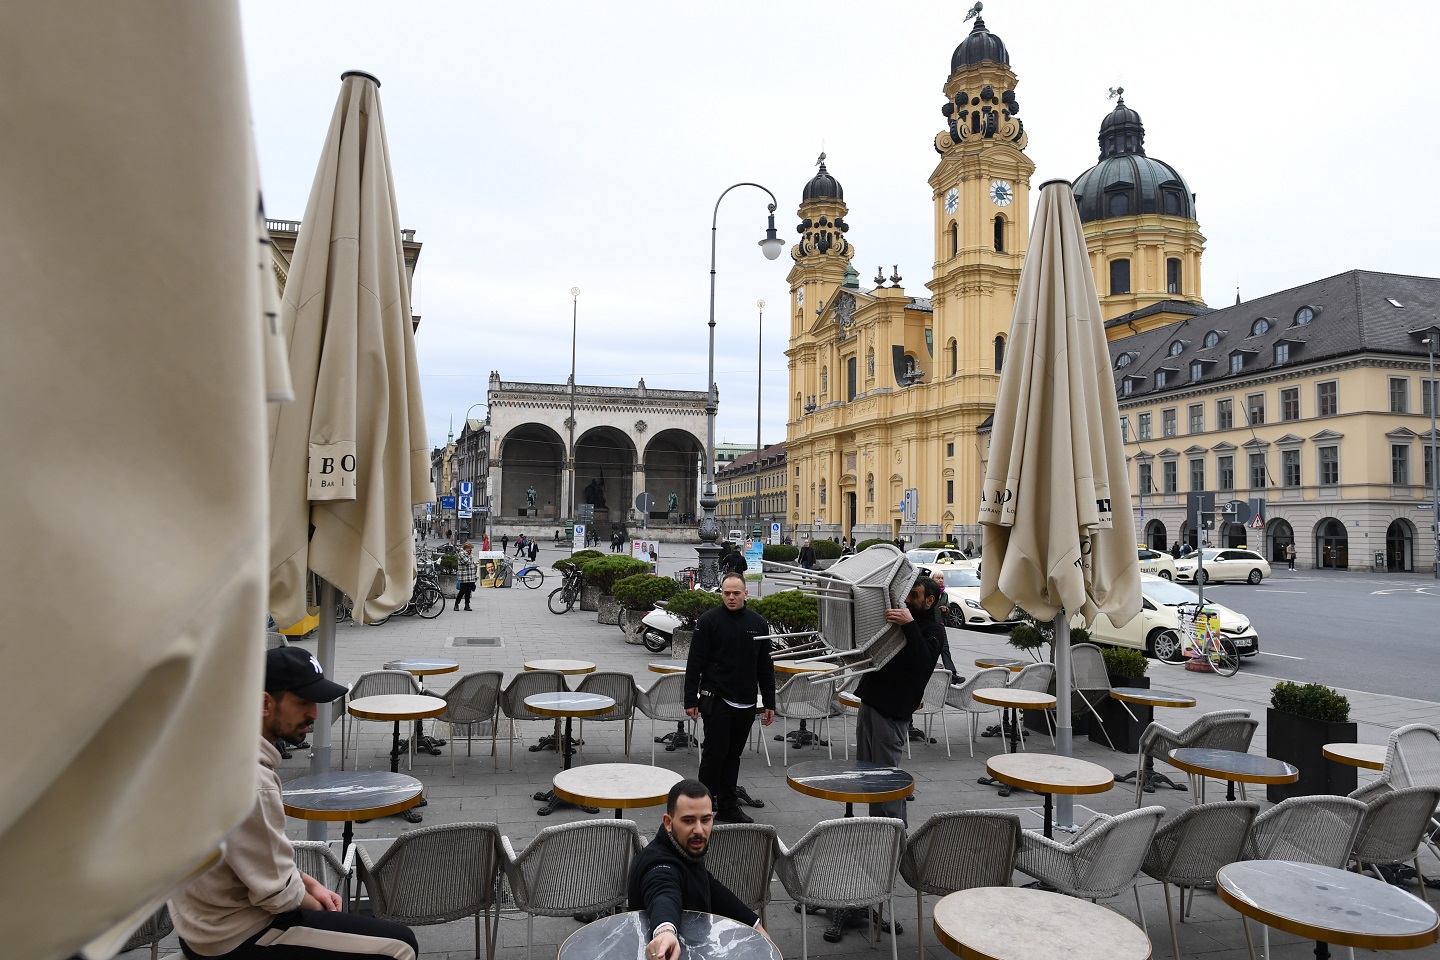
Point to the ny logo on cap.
(316, 664)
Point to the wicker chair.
(1394, 830)
(1099, 862)
(1219, 729)
(318, 858)
(474, 700)
(742, 857)
(958, 851)
(1188, 850)
(1039, 677)
(933, 702)
(1090, 683)
(800, 699)
(664, 701)
(436, 875)
(571, 868)
(274, 638)
(1412, 759)
(961, 697)
(1319, 830)
(151, 932)
(619, 687)
(376, 683)
(526, 684)
(850, 862)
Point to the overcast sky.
(538, 147)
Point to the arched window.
(1172, 275)
(1119, 276)
(954, 237)
(999, 234)
(999, 353)
(1119, 205)
(953, 350)
(1174, 206)
(1259, 327)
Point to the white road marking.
(1283, 656)
(1267, 590)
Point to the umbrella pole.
(1064, 803)
(320, 736)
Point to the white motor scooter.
(660, 625)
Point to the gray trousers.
(881, 740)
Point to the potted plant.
(637, 595)
(826, 553)
(1300, 720)
(689, 606)
(449, 567)
(1126, 668)
(602, 574)
(788, 611)
(1035, 639)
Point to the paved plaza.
(527, 630)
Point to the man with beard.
(255, 903)
(669, 875)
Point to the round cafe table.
(703, 936)
(615, 785)
(349, 795)
(803, 736)
(678, 740)
(666, 666)
(1326, 905)
(1151, 697)
(569, 705)
(396, 707)
(1013, 701)
(850, 781)
(1367, 756)
(1048, 774)
(1231, 766)
(570, 668)
(1009, 663)
(420, 668)
(1018, 923)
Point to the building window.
(1168, 474)
(1161, 377)
(1224, 414)
(1167, 421)
(1147, 482)
(1144, 426)
(1399, 395)
(1126, 387)
(949, 491)
(1290, 468)
(1177, 347)
(1237, 362)
(1259, 327)
(1327, 399)
(1282, 353)
(1172, 267)
(850, 386)
(1258, 471)
(954, 351)
(999, 353)
(797, 473)
(1290, 404)
(1226, 467)
(1400, 464)
(1212, 338)
(1429, 393)
(1255, 409)
(1197, 370)
(1429, 461)
(999, 234)
(1174, 207)
(1125, 429)
(1119, 274)
(1197, 418)
(1304, 315)
(1329, 466)
(1119, 206)
(954, 239)
(1197, 476)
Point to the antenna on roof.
(974, 11)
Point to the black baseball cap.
(296, 670)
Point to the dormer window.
(1212, 338)
(1197, 370)
(1125, 359)
(1259, 327)
(1126, 387)
(1282, 353)
(1304, 315)
(1177, 347)
(1161, 376)
(1237, 362)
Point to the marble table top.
(349, 795)
(1233, 765)
(1016, 923)
(703, 936)
(569, 704)
(666, 666)
(849, 781)
(1151, 697)
(1048, 773)
(560, 665)
(396, 706)
(1322, 903)
(803, 666)
(423, 666)
(1370, 756)
(1009, 663)
(1013, 697)
(616, 785)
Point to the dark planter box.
(1298, 741)
(1123, 730)
(1036, 719)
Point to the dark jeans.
(317, 934)
(465, 591)
(945, 656)
(726, 732)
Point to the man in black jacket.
(727, 668)
(669, 875)
(889, 696)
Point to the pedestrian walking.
(534, 550)
(807, 556)
(1290, 555)
(505, 543)
(466, 574)
(486, 547)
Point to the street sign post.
(578, 543)
(774, 532)
(911, 505)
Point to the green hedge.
(1313, 700)
(1124, 662)
(937, 545)
(577, 559)
(688, 605)
(605, 571)
(781, 552)
(449, 563)
(826, 550)
(864, 544)
(642, 590)
(788, 611)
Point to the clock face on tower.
(1001, 193)
(952, 200)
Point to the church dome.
(980, 46)
(1126, 182)
(823, 186)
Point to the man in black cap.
(255, 903)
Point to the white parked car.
(1157, 562)
(1228, 564)
(962, 590)
(945, 557)
(1158, 628)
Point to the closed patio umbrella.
(350, 456)
(1058, 528)
(132, 419)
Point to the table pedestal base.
(744, 797)
(553, 803)
(679, 740)
(1152, 779)
(803, 737)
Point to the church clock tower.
(822, 258)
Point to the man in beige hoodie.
(255, 904)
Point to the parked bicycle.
(565, 596)
(1208, 642)
(532, 576)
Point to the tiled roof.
(775, 452)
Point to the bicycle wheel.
(560, 601)
(343, 608)
(533, 578)
(430, 604)
(1223, 658)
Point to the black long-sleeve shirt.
(664, 882)
(726, 658)
(895, 689)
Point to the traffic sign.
(774, 532)
(911, 505)
(466, 502)
(1424, 506)
(447, 503)
(645, 503)
(1257, 524)
(466, 488)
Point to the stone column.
(496, 474)
(637, 487)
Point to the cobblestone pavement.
(483, 791)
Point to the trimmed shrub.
(1123, 661)
(1027, 637)
(605, 571)
(781, 552)
(936, 545)
(788, 611)
(865, 544)
(449, 563)
(688, 605)
(578, 559)
(1313, 700)
(641, 591)
(826, 550)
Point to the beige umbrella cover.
(1059, 532)
(132, 386)
(350, 455)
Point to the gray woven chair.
(742, 857)
(571, 868)
(1040, 678)
(375, 683)
(799, 699)
(1090, 683)
(472, 702)
(526, 684)
(619, 687)
(1412, 759)
(318, 858)
(436, 875)
(664, 701)
(958, 851)
(1394, 830)
(962, 698)
(1099, 862)
(151, 932)
(845, 863)
(274, 638)
(934, 701)
(1219, 729)
(1188, 850)
(1320, 830)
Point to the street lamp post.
(574, 333)
(759, 359)
(484, 525)
(709, 550)
(1429, 341)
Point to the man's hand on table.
(318, 896)
(665, 946)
